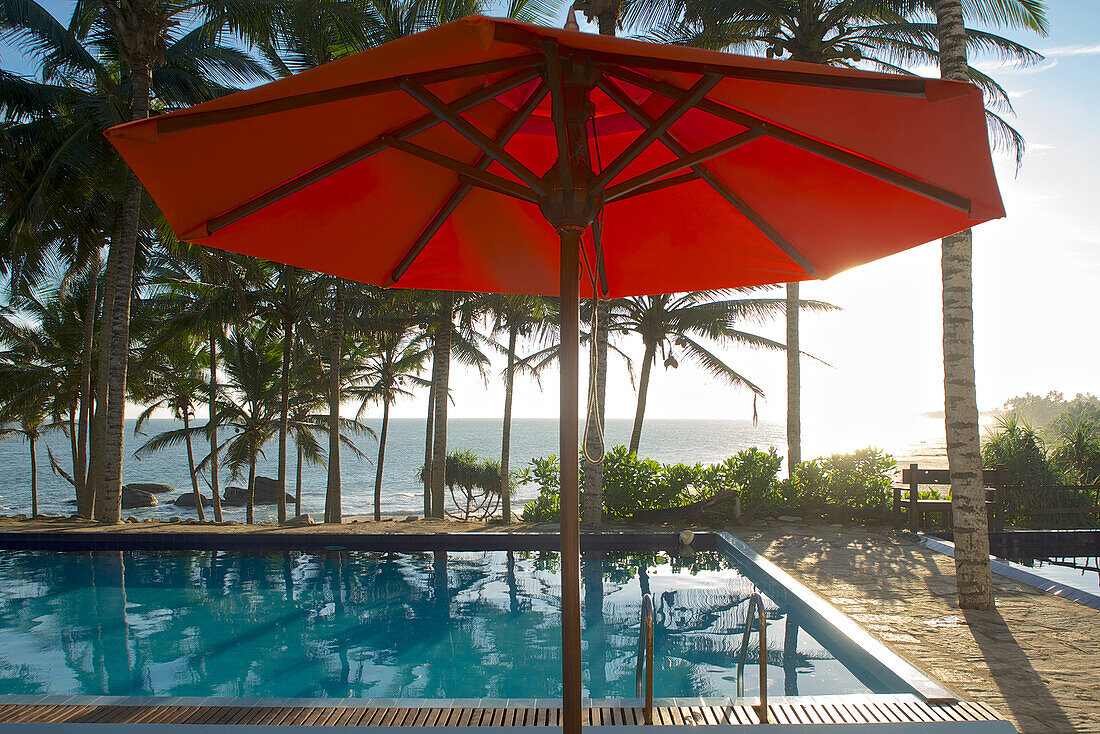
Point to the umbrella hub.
(573, 206)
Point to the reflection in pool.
(357, 624)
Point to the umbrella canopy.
(475, 156)
(749, 171)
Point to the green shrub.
(1017, 449)
(544, 472)
(859, 480)
(632, 485)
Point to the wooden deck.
(862, 710)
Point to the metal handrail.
(756, 606)
(645, 657)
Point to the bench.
(1034, 502)
(918, 510)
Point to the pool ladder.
(645, 658)
(756, 608)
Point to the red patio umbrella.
(472, 157)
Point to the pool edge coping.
(1015, 572)
(881, 657)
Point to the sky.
(880, 371)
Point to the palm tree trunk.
(94, 481)
(110, 509)
(381, 460)
(80, 463)
(212, 400)
(441, 368)
(332, 495)
(250, 515)
(284, 417)
(429, 423)
(643, 391)
(34, 479)
(971, 532)
(191, 463)
(506, 439)
(298, 484)
(594, 439)
(794, 382)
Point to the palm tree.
(41, 361)
(887, 36)
(393, 366)
(516, 316)
(202, 291)
(30, 424)
(168, 374)
(677, 321)
(972, 572)
(251, 405)
(109, 53)
(449, 340)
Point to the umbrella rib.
(619, 191)
(685, 101)
(181, 121)
(363, 152)
(823, 149)
(468, 173)
(459, 193)
(649, 188)
(557, 111)
(463, 127)
(727, 193)
(907, 87)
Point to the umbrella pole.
(570, 492)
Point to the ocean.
(665, 440)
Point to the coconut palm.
(111, 53)
(972, 571)
(202, 291)
(251, 404)
(885, 35)
(41, 362)
(516, 316)
(28, 423)
(672, 322)
(168, 374)
(392, 366)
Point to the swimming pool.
(409, 625)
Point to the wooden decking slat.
(871, 709)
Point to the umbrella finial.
(571, 20)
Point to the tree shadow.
(1020, 684)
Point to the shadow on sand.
(1022, 687)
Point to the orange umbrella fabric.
(818, 169)
(473, 156)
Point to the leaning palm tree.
(684, 322)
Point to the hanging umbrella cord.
(593, 418)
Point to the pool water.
(357, 624)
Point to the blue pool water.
(417, 625)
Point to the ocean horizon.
(668, 440)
